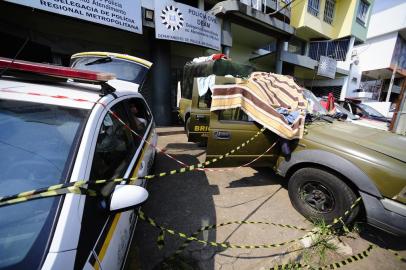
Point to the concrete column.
(307, 49)
(161, 72)
(350, 48)
(200, 4)
(225, 50)
(226, 36)
(279, 63)
(345, 90)
(392, 78)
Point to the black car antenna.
(16, 55)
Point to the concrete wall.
(388, 16)
(377, 52)
(352, 82)
(344, 22)
(358, 30)
(343, 17)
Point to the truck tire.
(320, 195)
(187, 122)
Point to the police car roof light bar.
(55, 71)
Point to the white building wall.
(376, 53)
(352, 82)
(149, 4)
(388, 16)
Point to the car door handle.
(201, 118)
(222, 135)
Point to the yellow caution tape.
(194, 238)
(354, 258)
(29, 195)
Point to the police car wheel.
(320, 195)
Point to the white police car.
(54, 130)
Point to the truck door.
(197, 125)
(200, 111)
(232, 127)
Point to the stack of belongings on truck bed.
(273, 100)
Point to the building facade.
(52, 30)
(326, 28)
(380, 78)
(287, 37)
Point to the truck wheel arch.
(187, 116)
(331, 162)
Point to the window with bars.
(329, 11)
(313, 7)
(362, 12)
(336, 49)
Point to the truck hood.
(383, 142)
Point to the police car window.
(140, 116)
(37, 145)
(234, 115)
(114, 148)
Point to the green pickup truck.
(332, 165)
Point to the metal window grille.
(313, 7)
(362, 12)
(276, 3)
(329, 11)
(336, 49)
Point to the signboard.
(122, 14)
(179, 22)
(327, 67)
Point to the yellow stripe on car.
(117, 216)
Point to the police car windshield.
(37, 143)
(123, 69)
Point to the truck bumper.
(392, 221)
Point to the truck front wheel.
(320, 195)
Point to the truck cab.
(327, 169)
(194, 110)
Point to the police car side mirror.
(125, 197)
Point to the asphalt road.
(186, 202)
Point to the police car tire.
(342, 194)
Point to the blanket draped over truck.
(268, 99)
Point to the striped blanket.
(260, 96)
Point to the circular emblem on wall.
(172, 18)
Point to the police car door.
(105, 236)
(232, 127)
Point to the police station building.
(165, 32)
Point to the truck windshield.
(371, 111)
(313, 106)
(124, 70)
(37, 142)
(341, 109)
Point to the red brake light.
(55, 71)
